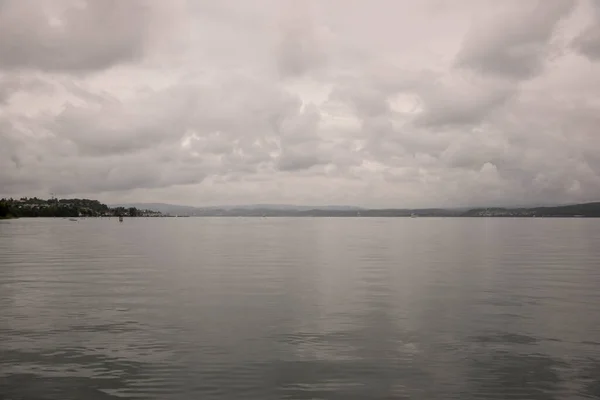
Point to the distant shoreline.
(66, 208)
(76, 208)
(324, 216)
(585, 210)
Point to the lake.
(300, 308)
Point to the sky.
(379, 103)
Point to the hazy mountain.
(282, 210)
(176, 209)
(285, 207)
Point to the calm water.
(314, 308)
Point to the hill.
(237, 210)
(34, 207)
(277, 210)
(591, 210)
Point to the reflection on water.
(300, 309)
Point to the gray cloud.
(118, 174)
(13, 83)
(299, 141)
(112, 127)
(514, 44)
(72, 35)
(384, 104)
(588, 41)
(464, 101)
(299, 49)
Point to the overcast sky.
(382, 103)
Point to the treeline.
(5, 211)
(588, 210)
(34, 207)
(65, 208)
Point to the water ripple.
(321, 308)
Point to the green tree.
(4, 210)
(133, 212)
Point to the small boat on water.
(72, 219)
(120, 218)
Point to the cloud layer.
(384, 104)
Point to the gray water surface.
(300, 308)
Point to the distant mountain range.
(244, 209)
(281, 210)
